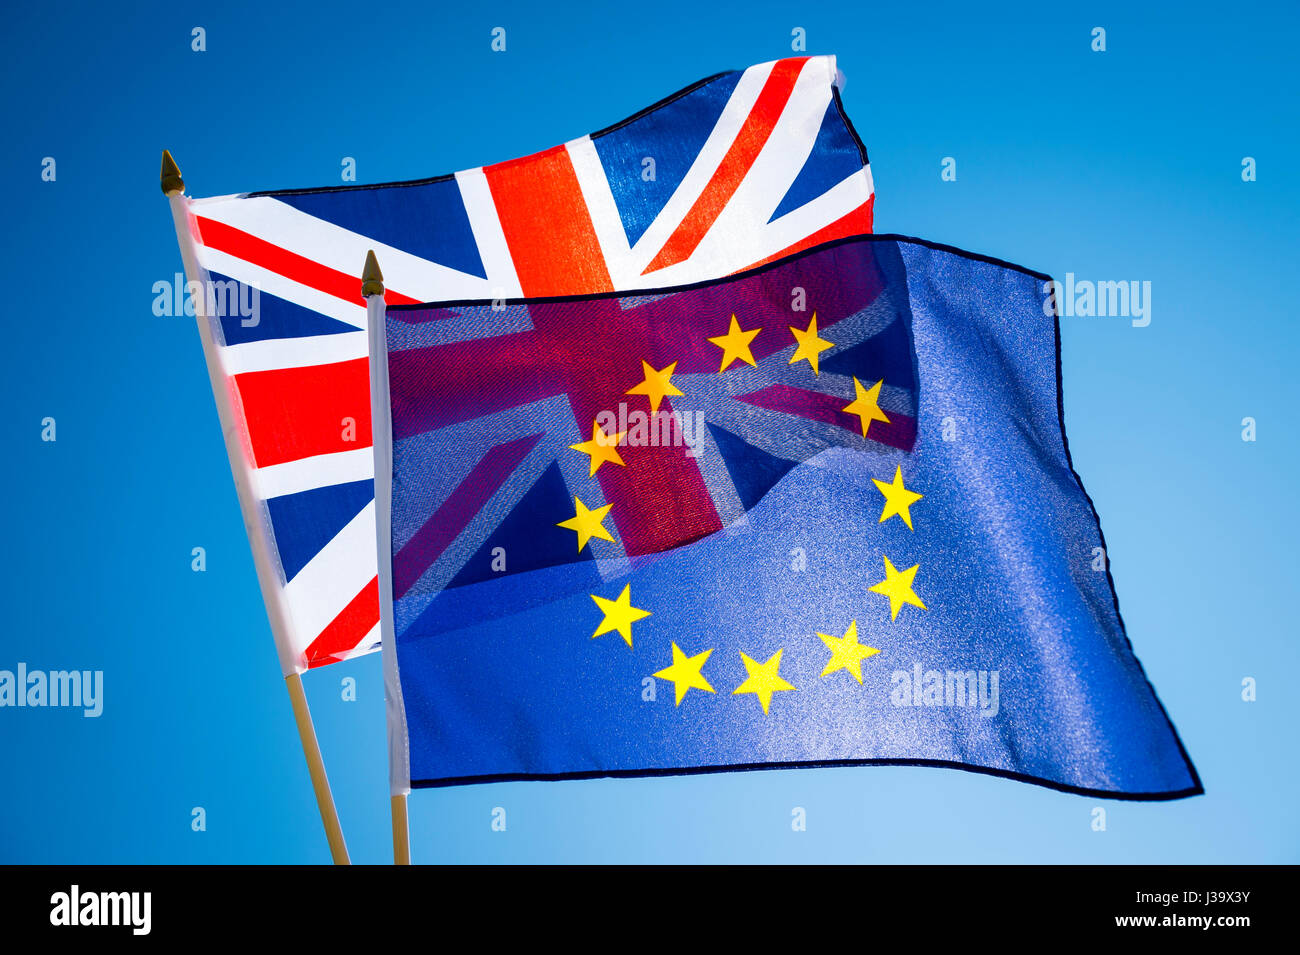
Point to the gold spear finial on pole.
(171, 181)
(372, 280)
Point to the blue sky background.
(1117, 165)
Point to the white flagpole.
(381, 428)
(253, 510)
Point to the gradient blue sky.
(1117, 165)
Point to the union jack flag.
(735, 171)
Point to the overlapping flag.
(721, 526)
(735, 170)
(680, 467)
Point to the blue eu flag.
(819, 513)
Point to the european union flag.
(819, 513)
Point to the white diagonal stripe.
(344, 250)
(779, 162)
(321, 470)
(724, 133)
(796, 225)
(488, 236)
(331, 579)
(273, 283)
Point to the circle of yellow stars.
(762, 679)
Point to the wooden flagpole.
(320, 783)
(173, 187)
(372, 290)
(401, 830)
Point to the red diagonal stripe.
(454, 514)
(552, 242)
(735, 165)
(444, 384)
(346, 630)
(294, 413)
(898, 432)
(243, 245)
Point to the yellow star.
(846, 652)
(898, 499)
(735, 345)
(587, 523)
(656, 384)
(897, 586)
(810, 346)
(619, 615)
(602, 447)
(763, 679)
(685, 673)
(865, 405)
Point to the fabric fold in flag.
(732, 171)
(820, 512)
